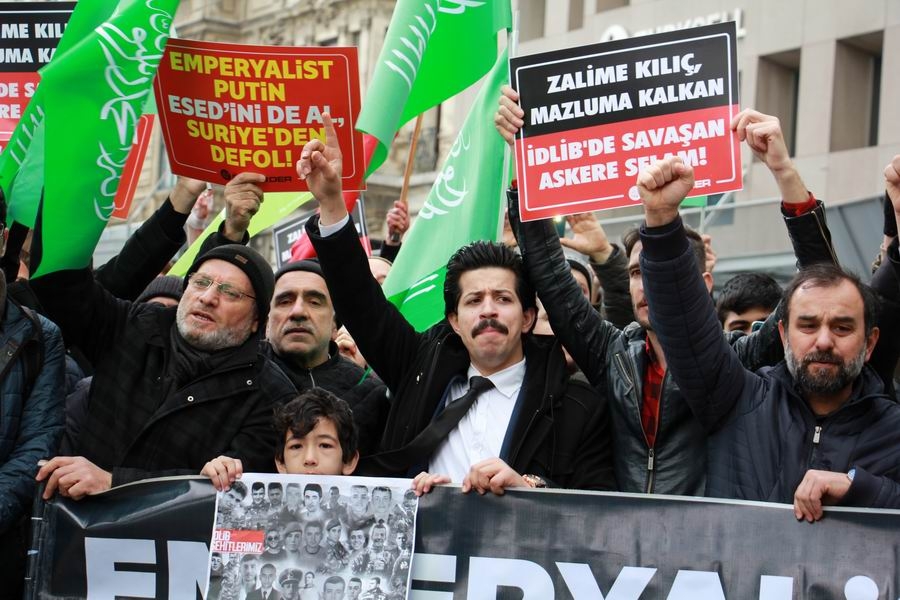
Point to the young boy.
(318, 437)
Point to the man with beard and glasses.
(529, 418)
(815, 429)
(174, 388)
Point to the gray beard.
(810, 383)
(212, 341)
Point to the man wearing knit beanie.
(175, 388)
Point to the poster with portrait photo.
(310, 537)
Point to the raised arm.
(385, 338)
(682, 314)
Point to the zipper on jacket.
(817, 437)
(650, 471)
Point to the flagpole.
(410, 162)
(512, 41)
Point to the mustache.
(822, 357)
(492, 323)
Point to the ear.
(255, 325)
(279, 466)
(348, 467)
(453, 319)
(708, 280)
(530, 318)
(781, 331)
(334, 328)
(871, 341)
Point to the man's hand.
(222, 471)
(892, 182)
(424, 481)
(397, 223)
(74, 477)
(764, 137)
(509, 117)
(243, 197)
(320, 165)
(589, 237)
(816, 489)
(347, 347)
(491, 475)
(663, 186)
(185, 193)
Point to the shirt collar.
(507, 382)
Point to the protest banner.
(595, 116)
(29, 33)
(322, 534)
(151, 540)
(229, 108)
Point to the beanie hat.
(254, 266)
(167, 286)
(310, 265)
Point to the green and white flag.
(91, 96)
(464, 205)
(433, 50)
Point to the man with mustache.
(817, 428)
(476, 397)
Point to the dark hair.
(258, 485)
(240, 488)
(633, 236)
(745, 291)
(334, 579)
(356, 579)
(313, 487)
(300, 415)
(382, 488)
(275, 485)
(479, 255)
(309, 524)
(829, 275)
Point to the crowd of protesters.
(574, 363)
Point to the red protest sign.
(597, 115)
(131, 172)
(228, 108)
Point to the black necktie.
(423, 445)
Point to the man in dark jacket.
(530, 418)
(815, 429)
(173, 387)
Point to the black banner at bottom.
(150, 540)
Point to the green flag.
(25, 151)
(93, 96)
(433, 50)
(464, 205)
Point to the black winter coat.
(561, 432)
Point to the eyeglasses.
(229, 292)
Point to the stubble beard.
(821, 382)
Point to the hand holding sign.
(320, 166)
(508, 118)
(662, 187)
(243, 197)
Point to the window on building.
(777, 84)
(602, 5)
(857, 87)
(531, 25)
(576, 14)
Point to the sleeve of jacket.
(370, 414)
(88, 315)
(40, 428)
(613, 276)
(872, 491)
(580, 328)
(145, 254)
(886, 282)
(594, 458)
(389, 343)
(811, 240)
(708, 373)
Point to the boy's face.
(317, 453)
